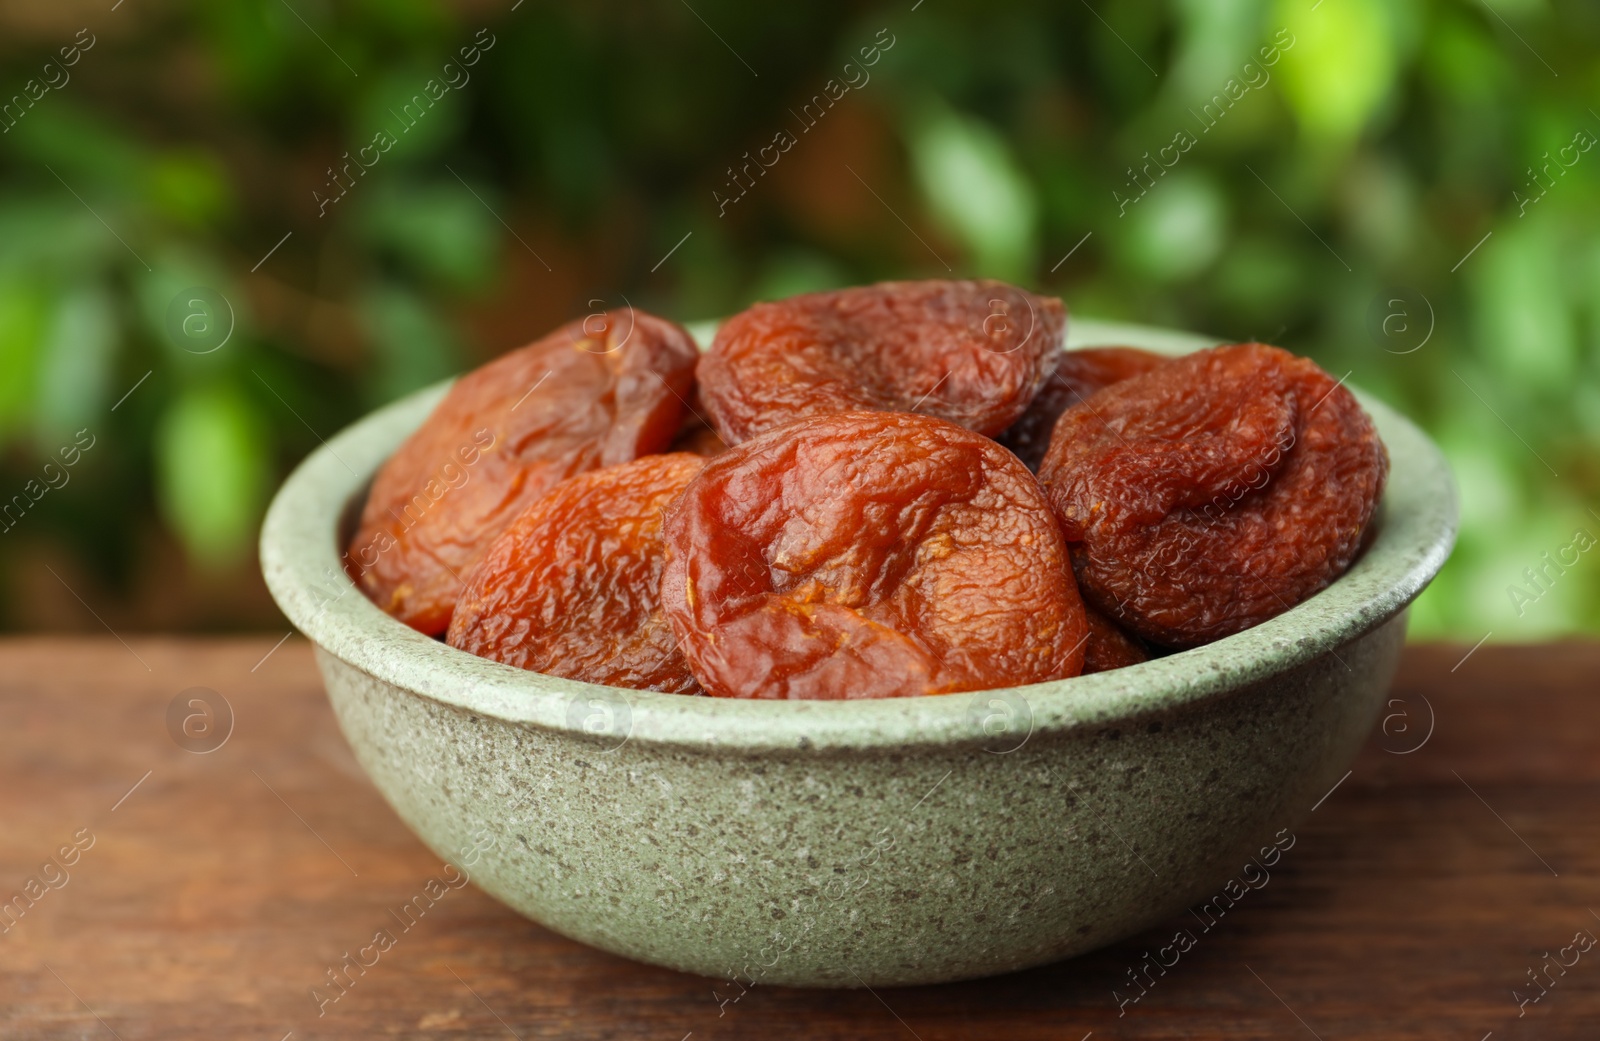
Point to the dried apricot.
(598, 391)
(1213, 492)
(1108, 646)
(974, 353)
(1076, 376)
(571, 588)
(868, 555)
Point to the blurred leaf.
(249, 56)
(24, 309)
(1524, 327)
(163, 295)
(1380, 204)
(417, 108)
(418, 19)
(1463, 60)
(84, 150)
(1220, 36)
(412, 347)
(1257, 274)
(1341, 65)
(798, 271)
(440, 231)
(1490, 492)
(76, 364)
(1515, 8)
(1177, 229)
(189, 187)
(213, 469)
(52, 232)
(975, 190)
(1520, 590)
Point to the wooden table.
(220, 886)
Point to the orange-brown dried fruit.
(1108, 646)
(974, 353)
(866, 555)
(699, 437)
(572, 587)
(1213, 492)
(595, 392)
(1077, 375)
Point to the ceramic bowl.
(901, 841)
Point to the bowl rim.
(300, 560)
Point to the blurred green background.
(1328, 210)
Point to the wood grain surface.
(209, 892)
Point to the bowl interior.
(301, 546)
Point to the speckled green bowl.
(902, 841)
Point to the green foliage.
(975, 191)
(439, 231)
(1341, 67)
(1349, 147)
(213, 469)
(75, 361)
(412, 347)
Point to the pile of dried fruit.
(906, 488)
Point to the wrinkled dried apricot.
(1108, 646)
(571, 588)
(1213, 492)
(598, 391)
(974, 353)
(868, 555)
(1076, 376)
